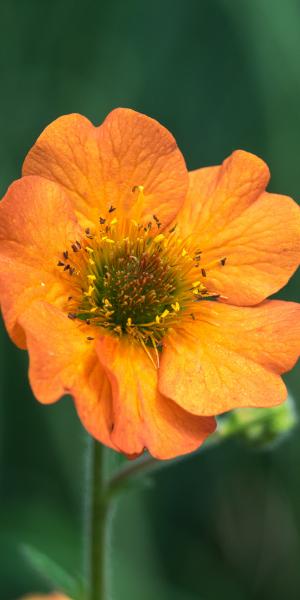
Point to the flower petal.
(36, 224)
(63, 361)
(101, 166)
(232, 217)
(231, 357)
(143, 418)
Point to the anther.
(157, 221)
(60, 264)
(223, 261)
(111, 209)
(72, 315)
(66, 254)
(203, 272)
(159, 238)
(102, 221)
(176, 306)
(90, 291)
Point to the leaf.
(53, 573)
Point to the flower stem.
(96, 523)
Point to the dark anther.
(66, 254)
(60, 263)
(78, 244)
(70, 298)
(203, 272)
(88, 322)
(72, 270)
(193, 316)
(173, 228)
(223, 261)
(66, 267)
(74, 248)
(102, 221)
(111, 209)
(90, 338)
(72, 315)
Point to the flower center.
(133, 279)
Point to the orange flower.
(140, 289)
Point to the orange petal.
(101, 166)
(63, 361)
(231, 357)
(257, 232)
(36, 225)
(143, 418)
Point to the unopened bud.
(260, 427)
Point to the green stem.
(96, 524)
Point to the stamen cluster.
(133, 279)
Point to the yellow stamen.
(196, 284)
(138, 188)
(114, 221)
(165, 313)
(159, 238)
(90, 291)
(90, 250)
(184, 252)
(176, 306)
(129, 322)
(91, 277)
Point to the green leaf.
(53, 573)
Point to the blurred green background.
(220, 74)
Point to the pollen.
(159, 238)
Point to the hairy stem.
(96, 523)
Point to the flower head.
(140, 288)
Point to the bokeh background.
(221, 75)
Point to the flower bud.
(260, 427)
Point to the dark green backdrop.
(220, 75)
